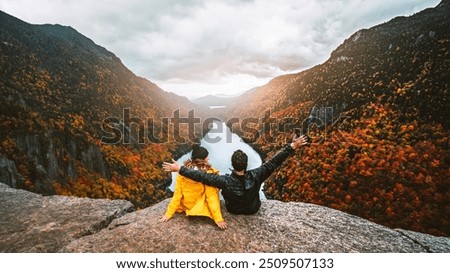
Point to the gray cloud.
(181, 44)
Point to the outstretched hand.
(222, 225)
(171, 167)
(164, 219)
(300, 141)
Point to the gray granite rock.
(430, 243)
(31, 222)
(277, 227)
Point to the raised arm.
(266, 169)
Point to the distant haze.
(194, 48)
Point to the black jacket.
(241, 192)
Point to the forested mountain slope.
(379, 122)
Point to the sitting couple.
(240, 189)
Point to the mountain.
(377, 112)
(75, 121)
(70, 224)
(405, 58)
(212, 100)
(221, 99)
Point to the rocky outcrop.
(277, 227)
(33, 223)
(39, 152)
(8, 171)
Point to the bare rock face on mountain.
(31, 222)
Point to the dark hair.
(199, 152)
(239, 160)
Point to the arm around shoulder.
(209, 179)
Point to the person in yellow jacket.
(195, 198)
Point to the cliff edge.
(33, 223)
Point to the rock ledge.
(35, 223)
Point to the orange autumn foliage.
(399, 176)
(141, 179)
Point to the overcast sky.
(199, 47)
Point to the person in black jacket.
(240, 189)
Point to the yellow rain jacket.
(195, 199)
